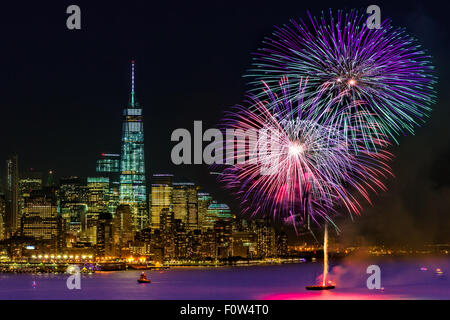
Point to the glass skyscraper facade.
(161, 197)
(132, 190)
(109, 166)
(184, 197)
(12, 195)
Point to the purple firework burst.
(284, 163)
(380, 80)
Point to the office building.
(132, 189)
(12, 218)
(161, 197)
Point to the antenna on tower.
(132, 83)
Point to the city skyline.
(225, 155)
(108, 215)
(67, 129)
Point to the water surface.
(400, 278)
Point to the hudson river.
(413, 278)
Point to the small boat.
(143, 278)
(320, 287)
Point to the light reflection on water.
(401, 279)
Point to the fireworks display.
(293, 166)
(373, 82)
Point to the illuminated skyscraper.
(161, 197)
(265, 238)
(184, 197)
(105, 244)
(12, 219)
(98, 194)
(108, 163)
(97, 201)
(216, 211)
(204, 200)
(109, 166)
(29, 181)
(2, 215)
(73, 203)
(132, 190)
(40, 218)
(122, 228)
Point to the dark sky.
(63, 90)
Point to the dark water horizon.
(414, 278)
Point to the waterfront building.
(28, 181)
(181, 240)
(104, 234)
(158, 250)
(161, 197)
(2, 216)
(184, 197)
(73, 205)
(122, 228)
(215, 212)
(97, 203)
(244, 243)
(50, 179)
(208, 244)
(98, 195)
(109, 166)
(142, 241)
(194, 244)
(167, 233)
(132, 189)
(281, 243)
(265, 238)
(204, 200)
(40, 218)
(223, 235)
(12, 217)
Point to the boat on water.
(143, 278)
(320, 287)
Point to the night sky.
(62, 92)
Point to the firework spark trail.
(373, 82)
(310, 169)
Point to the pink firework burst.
(281, 160)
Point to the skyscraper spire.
(132, 98)
(132, 188)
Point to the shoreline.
(93, 267)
